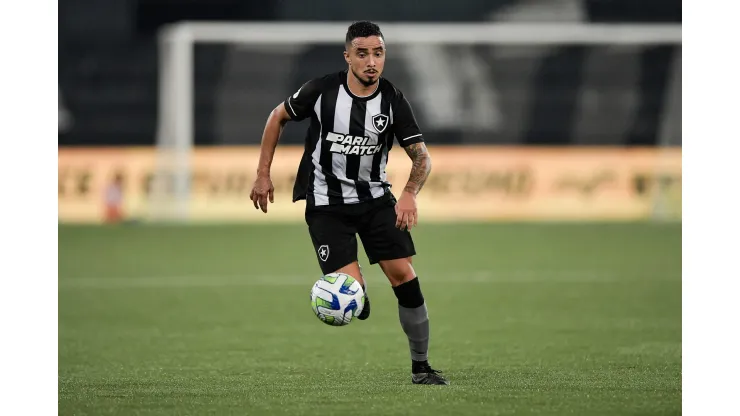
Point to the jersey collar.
(375, 93)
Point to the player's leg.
(412, 312)
(334, 236)
(393, 249)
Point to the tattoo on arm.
(422, 165)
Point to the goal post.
(169, 200)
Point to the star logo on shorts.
(380, 122)
(323, 252)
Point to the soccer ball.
(336, 298)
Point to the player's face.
(366, 59)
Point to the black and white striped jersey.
(348, 141)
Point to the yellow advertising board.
(467, 183)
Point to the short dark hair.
(362, 29)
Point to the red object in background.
(113, 214)
(114, 200)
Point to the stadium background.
(579, 316)
(603, 97)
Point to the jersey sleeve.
(405, 128)
(300, 105)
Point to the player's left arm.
(420, 168)
(409, 136)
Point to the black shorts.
(334, 231)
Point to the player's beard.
(364, 82)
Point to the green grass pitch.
(525, 318)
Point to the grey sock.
(415, 323)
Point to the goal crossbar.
(445, 33)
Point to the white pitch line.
(502, 276)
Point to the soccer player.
(355, 115)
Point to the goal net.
(472, 84)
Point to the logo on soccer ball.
(380, 122)
(323, 252)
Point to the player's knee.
(398, 271)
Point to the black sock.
(409, 294)
(364, 288)
(419, 366)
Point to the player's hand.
(261, 191)
(406, 214)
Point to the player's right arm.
(263, 188)
(296, 107)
